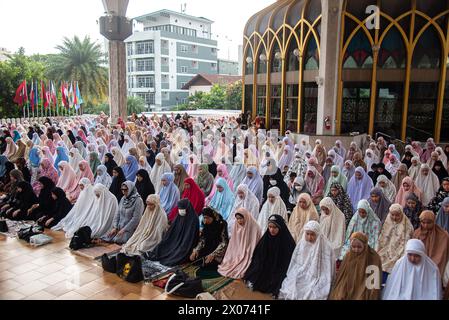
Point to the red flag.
(32, 97)
(44, 95)
(64, 95)
(21, 94)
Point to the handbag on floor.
(28, 232)
(129, 268)
(180, 284)
(109, 264)
(81, 239)
(40, 240)
(3, 226)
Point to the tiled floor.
(52, 272)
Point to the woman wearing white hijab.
(304, 147)
(387, 187)
(127, 144)
(370, 159)
(286, 158)
(273, 205)
(144, 165)
(244, 199)
(103, 176)
(304, 211)
(150, 230)
(340, 149)
(413, 171)
(160, 167)
(312, 267)
(119, 158)
(442, 156)
(338, 160)
(105, 207)
(74, 159)
(333, 224)
(76, 218)
(414, 277)
(428, 182)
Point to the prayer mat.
(15, 226)
(97, 251)
(153, 270)
(211, 280)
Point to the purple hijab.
(359, 189)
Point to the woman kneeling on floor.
(214, 240)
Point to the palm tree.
(81, 61)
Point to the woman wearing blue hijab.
(223, 199)
(169, 192)
(130, 168)
(17, 136)
(36, 140)
(35, 159)
(61, 156)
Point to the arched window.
(261, 60)
(311, 60)
(392, 53)
(359, 54)
(427, 53)
(292, 55)
(276, 58)
(249, 63)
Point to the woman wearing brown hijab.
(399, 176)
(435, 238)
(361, 266)
(180, 176)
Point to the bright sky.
(40, 25)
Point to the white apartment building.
(166, 50)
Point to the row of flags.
(39, 95)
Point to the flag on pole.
(44, 95)
(79, 99)
(64, 95)
(36, 95)
(32, 99)
(21, 94)
(71, 100)
(53, 98)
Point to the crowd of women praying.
(294, 220)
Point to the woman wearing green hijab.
(336, 177)
(94, 162)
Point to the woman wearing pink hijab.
(68, 181)
(408, 186)
(222, 172)
(85, 171)
(51, 146)
(46, 170)
(47, 154)
(83, 137)
(244, 238)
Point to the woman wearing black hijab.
(45, 201)
(22, 166)
(3, 145)
(144, 185)
(440, 170)
(214, 240)
(180, 239)
(71, 136)
(276, 180)
(30, 133)
(24, 200)
(118, 178)
(407, 159)
(61, 208)
(121, 140)
(110, 163)
(381, 171)
(271, 258)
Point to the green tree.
(82, 61)
(13, 71)
(216, 99)
(135, 105)
(234, 96)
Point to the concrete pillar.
(117, 80)
(116, 28)
(328, 73)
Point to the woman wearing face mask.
(299, 186)
(352, 277)
(395, 233)
(435, 238)
(245, 236)
(213, 240)
(276, 180)
(312, 267)
(274, 205)
(180, 239)
(365, 221)
(304, 211)
(195, 196)
(128, 215)
(271, 258)
(414, 276)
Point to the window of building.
(389, 105)
(165, 96)
(184, 48)
(276, 59)
(184, 69)
(130, 65)
(183, 84)
(145, 82)
(145, 47)
(130, 82)
(356, 106)
(422, 110)
(261, 100)
(145, 64)
(275, 114)
(292, 59)
(291, 107)
(194, 48)
(130, 49)
(359, 54)
(194, 64)
(444, 133)
(392, 53)
(310, 106)
(249, 98)
(213, 51)
(311, 60)
(148, 98)
(213, 66)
